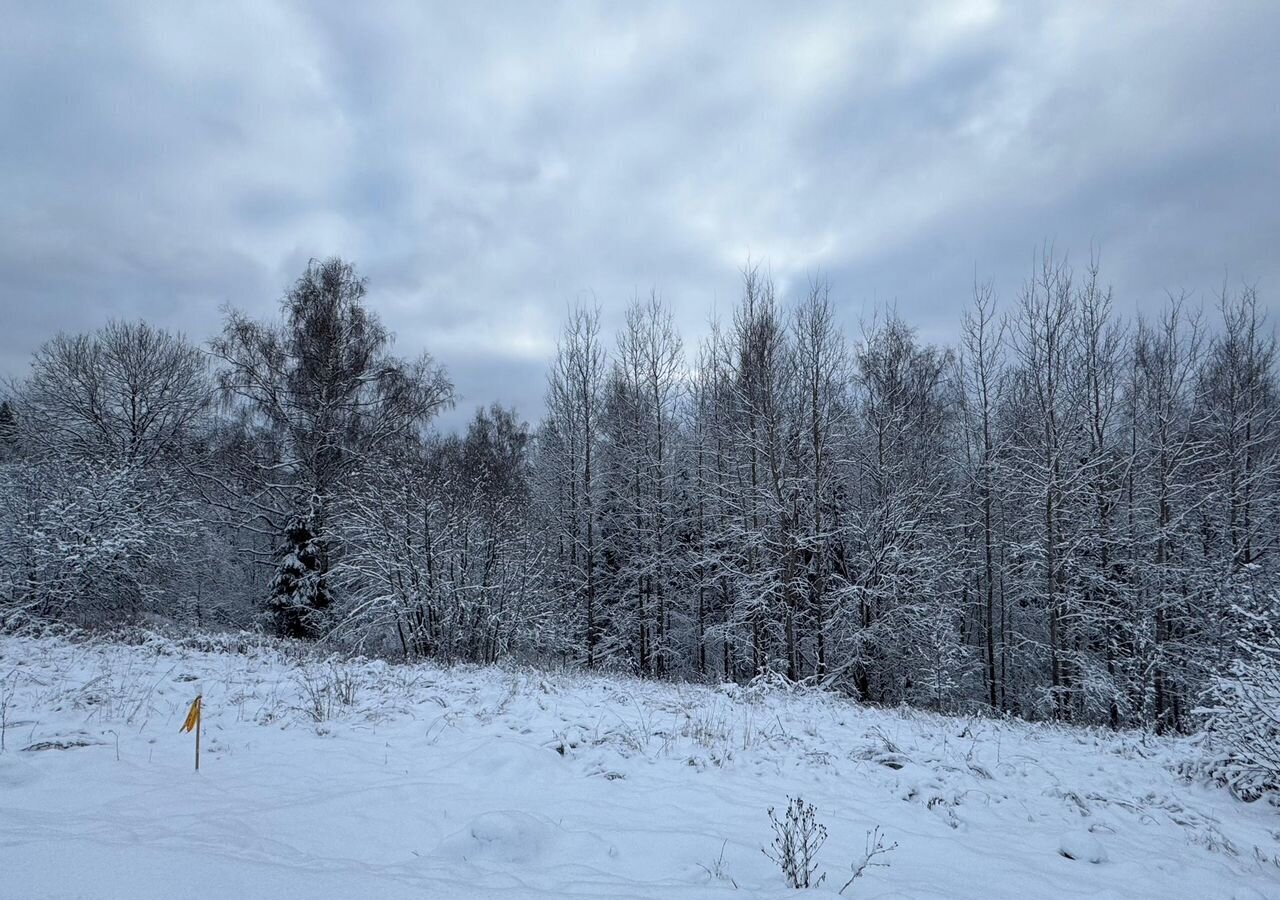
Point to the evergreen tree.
(298, 602)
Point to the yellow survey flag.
(193, 716)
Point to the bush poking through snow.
(876, 847)
(796, 840)
(325, 691)
(798, 836)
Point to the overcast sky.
(486, 166)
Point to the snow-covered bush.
(447, 564)
(1243, 718)
(85, 543)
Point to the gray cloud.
(487, 167)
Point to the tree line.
(1066, 514)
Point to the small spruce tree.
(299, 599)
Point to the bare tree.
(1099, 617)
(1165, 487)
(715, 554)
(128, 392)
(572, 434)
(322, 396)
(1044, 341)
(982, 342)
(765, 512)
(902, 632)
(824, 412)
(440, 551)
(640, 416)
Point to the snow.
(475, 782)
(1083, 844)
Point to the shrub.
(1243, 724)
(796, 840)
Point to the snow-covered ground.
(467, 782)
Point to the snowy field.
(351, 780)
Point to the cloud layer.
(486, 167)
